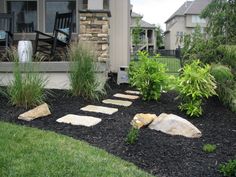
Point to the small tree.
(159, 36)
(136, 33)
(221, 15)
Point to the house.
(103, 22)
(183, 21)
(147, 36)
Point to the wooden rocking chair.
(6, 29)
(61, 37)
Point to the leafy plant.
(149, 76)
(83, 73)
(194, 84)
(229, 168)
(226, 86)
(132, 136)
(209, 148)
(27, 87)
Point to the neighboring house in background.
(183, 21)
(148, 37)
(106, 23)
(108, 27)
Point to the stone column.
(94, 28)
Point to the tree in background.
(221, 15)
(159, 36)
(136, 33)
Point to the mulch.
(155, 152)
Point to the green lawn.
(29, 152)
(173, 64)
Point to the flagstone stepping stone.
(39, 111)
(131, 97)
(117, 102)
(132, 92)
(174, 125)
(99, 109)
(86, 121)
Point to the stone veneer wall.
(94, 28)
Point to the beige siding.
(120, 36)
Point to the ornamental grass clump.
(149, 76)
(27, 87)
(83, 73)
(194, 84)
(226, 85)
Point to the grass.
(28, 152)
(173, 64)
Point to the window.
(179, 33)
(105, 4)
(25, 15)
(197, 19)
(61, 6)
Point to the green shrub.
(83, 73)
(27, 87)
(148, 76)
(209, 148)
(226, 86)
(228, 169)
(194, 84)
(228, 53)
(132, 136)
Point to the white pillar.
(146, 36)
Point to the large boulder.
(39, 111)
(141, 120)
(175, 125)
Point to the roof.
(134, 14)
(197, 6)
(191, 7)
(143, 23)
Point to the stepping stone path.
(117, 102)
(86, 121)
(132, 92)
(99, 109)
(130, 97)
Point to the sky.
(156, 11)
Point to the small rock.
(86, 121)
(131, 97)
(39, 111)
(117, 102)
(175, 125)
(141, 120)
(100, 109)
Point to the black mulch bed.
(155, 152)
